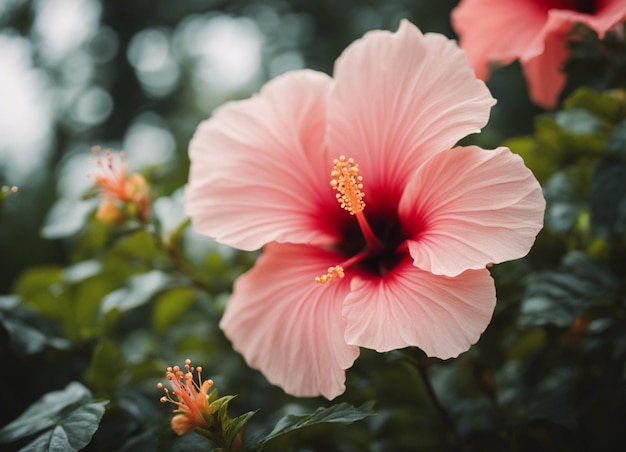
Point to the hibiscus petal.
(398, 99)
(544, 73)
(468, 207)
(534, 31)
(410, 307)
(543, 65)
(259, 171)
(493, 31)
(287, 325)
(607, 14)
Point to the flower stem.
(452, 436)
(173, 250)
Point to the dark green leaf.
(608, 198)
(602, 105)
(73, 433)
(236, 425)
(616, 143)
(106, 365)
(140, 290)
(558, 297)
(566, 193)
(69, 418)
(28, 332)
(170, 305)
(341, 413)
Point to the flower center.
(363, 246)
(581, 6)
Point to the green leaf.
(578, 121)
(170, 305)
(82, 270)
(28, 332)
(233, 426)
(140, 290)
(66, 218)
(602, 105)
(65, 419)
(616, 143)
(73, 433)
(566, 193)
(342, 413)
(608, 198)
(541, 163)
(559, 297)
(106, 365)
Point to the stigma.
(345, 179)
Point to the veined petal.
(468, 207)
(287, 325)
(398, 99)
(443, 316)
(259, 171)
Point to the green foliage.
(61, 420)
(28, 333)
(110, 306)
(341, 413)
(223, 431)
(559, 297)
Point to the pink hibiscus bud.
(405, 224)
(122, 195)
(496, 32)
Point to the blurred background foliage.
(95, 312)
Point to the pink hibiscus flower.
(406, 255)
(533, 31)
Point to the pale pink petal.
(288, 326)
(398, 99)
(443, 316)
(467, 207)
(498, 32)
(259, 171)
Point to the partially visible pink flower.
(400, 260)
(535, 32)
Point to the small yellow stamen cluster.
(348, 183)
(333, 272)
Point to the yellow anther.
(335, 272)
(348, 183)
